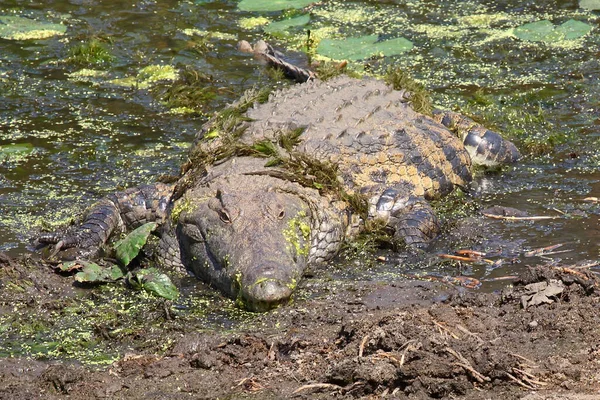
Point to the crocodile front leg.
(412, 218)
(115, 213)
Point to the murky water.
(82, 137)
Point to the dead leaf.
(541, 292)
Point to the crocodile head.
(252, 243)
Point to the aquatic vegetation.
(590, 4)
(359, 48)
(92, 53)
(280, 28)
(545, 31)
(21, 28)
(253, 22)
(191, 93)
(148, 76)
(272, 5)
(420, 98)
(16, 152)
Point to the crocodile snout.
(267, 286)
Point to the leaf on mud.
(70, 266)
(92, 272)
(541, 292)
(359, 48)
(545, 31)
(590, 4)
(283, 26)
(154, 281)
(129, 247)
(21, 28)
(272, 5)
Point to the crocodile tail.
(275, 59)
(485, 147)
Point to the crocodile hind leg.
(411, 218)
(486, 148)
(117, 212)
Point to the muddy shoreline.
(416, 340)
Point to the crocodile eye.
(281, 214)
(224, 216)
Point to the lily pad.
(154, 281)
(15, 152)
(283, 26)
(21, 28)
(272, 5)
(545, 31)
(94, 273)
(362, 47)
(590, 4)
(573, 29)
(129, 247)
(534, 31)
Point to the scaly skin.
(250, 230)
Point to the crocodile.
(249, 226)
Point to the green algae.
(148, 76)
(22, 28)
(253, 22)
(297, 234)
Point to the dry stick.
(317, 386)
(463, 362)
(586, 266)
(520, 382)
(529, 377)
(445, 329)
(480, 378)
(532, 365)
(509, 218)
(363, 342)
(465, 259)
(407, 347)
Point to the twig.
(520, 382)
(586, 266)
(466, 259)
(317, 386)
(529, 377)
(511, 218)
(445, 329)
(463, 362)
(532, 363)
(543, 250)
(386, 355)
(480, 378)
(363, 342)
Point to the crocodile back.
(370, 131)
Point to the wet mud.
(412, 340)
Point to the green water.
(80, 137)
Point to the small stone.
(533, 324)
